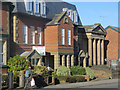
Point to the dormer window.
(29, 6)
(75, 17)
(43, 8)
(70, 14)
(37, 7)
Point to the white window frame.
(43, 8)
(62, 36)
(70, 14)
(32, 30)
(75, 17)
(36, 7)
(40, 36)
(25, 34)
(69, 37)
(1, 52)
(29, 5)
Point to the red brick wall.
(29, 21)
(66, 27)
(53, 37)
(112, 47)
(5, 8)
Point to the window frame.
(40, 35)
(32, 34)
(69, 37)
(25, 34)
(62, 36)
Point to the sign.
(39, 49)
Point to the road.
(111, 85)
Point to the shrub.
(17, 64)
(42, 70)
(80, 78)
(89, 73)
(77, 70)
(71, 80)
(54, 74)
(4, 79)
(63, 71)
(62, 78)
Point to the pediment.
(99, 29)
(82, 53)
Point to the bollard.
(10, 75)
(21, 79)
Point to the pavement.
(83, 84)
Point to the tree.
(17, 64)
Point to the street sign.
(39, 49)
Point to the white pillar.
(94, 52)
(98, 52)
(102, 52)
(90, 51)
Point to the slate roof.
(52, 8)
(56, 19)
(92, 28)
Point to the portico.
(94, 48)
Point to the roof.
(113, 28)
(93, 28)
(52, 8)
(56, 19)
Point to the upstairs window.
(25, 34)
(75, 17)
(32, 34)
(29, 6)
(39, 36)
(37, 7)
(62, 36)
(70, 14)
(43, 8)
(69, 37)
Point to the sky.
(105, 13)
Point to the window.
(25, 35)
(43, 8)
(37, 7)
(32, 34)
(62, 36)
(75, 17)
(69, 36)
(70, 14)
(1, 53)
(39, 36)
(29, 6)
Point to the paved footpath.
(83, 84)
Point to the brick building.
(50, 25)
(51, 34)
(112, 43)
(5, 12)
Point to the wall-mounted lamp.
(35, 31)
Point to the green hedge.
(77, 70)
(63, 71)
(71, 79)
(89, 73)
